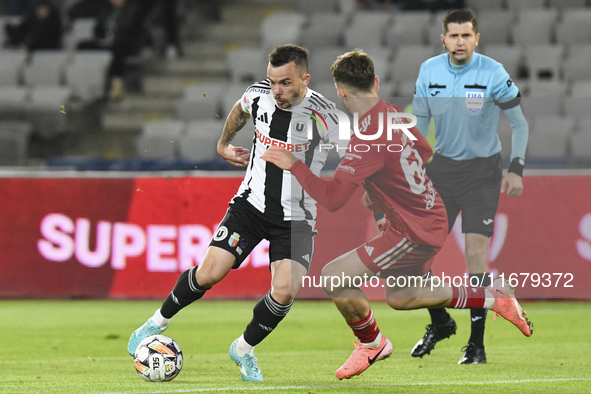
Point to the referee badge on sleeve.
(474, 101)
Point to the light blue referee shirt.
(466, 102)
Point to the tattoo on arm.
(235, 121)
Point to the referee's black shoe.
(433, 335)
(473, 354)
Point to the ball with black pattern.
(158, 358)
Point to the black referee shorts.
(244, 227)
(471, 186)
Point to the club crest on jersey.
(474, 101)
(220, 233)
(233, 240)
(299, 127)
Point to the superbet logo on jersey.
(267, 141)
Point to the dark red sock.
(467, 297)
(366, 330)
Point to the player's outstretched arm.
(235, 155)
(331, 193)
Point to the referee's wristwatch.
(516, 166)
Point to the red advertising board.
(130, 238)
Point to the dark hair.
(355, 70)
(459, 17)
(285, 54)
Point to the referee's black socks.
(185, 292)
(267, 314)
(439, 316)
(478, 315)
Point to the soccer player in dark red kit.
(414, 229)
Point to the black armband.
(378, 215)
(516, 166)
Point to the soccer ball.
(158, 358)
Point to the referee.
(464, 91)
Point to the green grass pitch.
(80, 347)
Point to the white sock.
(375, 343)
(160, 320)
(489, 300)
(243, 347)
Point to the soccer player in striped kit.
(268, 204)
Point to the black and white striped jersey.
(307, 130)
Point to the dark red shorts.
(391, 254)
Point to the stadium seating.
(435, 29)
(280, 28)
(4, 20)
(11, 65)
(81, 29)
(495, 27)
(549, 138)
(574, 27)
(87, 74)
(581, 141)
(554, 88)
(320, 61)
(544, 98)
(381, 61)
(13, 100)
(347, 7)
(534, 107)
(510, 56)
(406, 88)
(567, 3)
(408, 60)
(43, 110)
(160, 140)
(526, 4)
(576, 66)
(577, 106)
(535, 26)
(367, 29)
(201, 101)
(46, 67)
(579, 103)
(200, 140)
(582, 89)
(247, 64)
(308, 7)
(408, 28)
(387, 89)
(14, 142)
(485, 4)
(549, 38)
(544, 61)
(324, 29)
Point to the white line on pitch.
(258, 388)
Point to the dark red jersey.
(391, 168)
